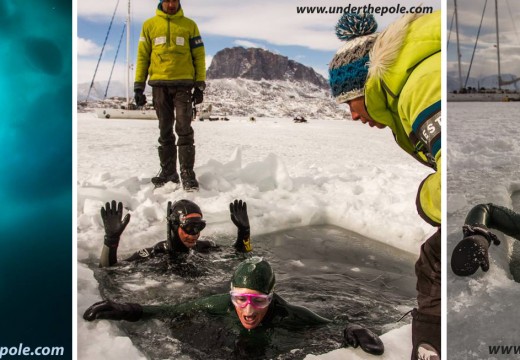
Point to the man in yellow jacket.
(393, 79)
(171, 56)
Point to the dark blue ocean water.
(36, 169)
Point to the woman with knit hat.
(393, 79)
(252, 304)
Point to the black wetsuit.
(176, 250)
(161, 248)
(495, 217)
(280, 313)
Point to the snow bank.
(482, 168)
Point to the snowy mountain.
(260, 64)
(274, 98)
(248, 82)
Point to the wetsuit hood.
(256, 274)
(178, 211)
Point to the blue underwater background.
(36, 174)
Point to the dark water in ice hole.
(334, 272)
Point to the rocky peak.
(258, 64)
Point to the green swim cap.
(254, 273)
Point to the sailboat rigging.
(480, 94)
(129, 111)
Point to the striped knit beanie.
(349, 68)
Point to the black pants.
(166, 101)
(426, 324)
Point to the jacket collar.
(387, 46)
(179, 14)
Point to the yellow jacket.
(403, 92)
(170, 52)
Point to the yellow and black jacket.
(170, 52)
(403, 92)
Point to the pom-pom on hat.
(349, 68)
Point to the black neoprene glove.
(198, 96)
(114, 226)
(472, 251)
(139, 97)
(238, 212)
(356, 335)
(113, 311)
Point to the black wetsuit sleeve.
(294, 316)
(305, 317)
(146, 253)
(243, 243)
(215, 305)
(495, 217)
(108, 256)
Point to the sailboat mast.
(128, 57)
(458, 46)
(498, 48)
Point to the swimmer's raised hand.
(238, 212)
(113, 222)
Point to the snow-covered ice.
(483, 159)
(323, 172)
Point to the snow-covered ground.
(483, 159)
(324, 172)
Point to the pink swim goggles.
(258, 301)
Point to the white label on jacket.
(160, 40)
(142, 38)
(179, 41)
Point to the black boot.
(186, 161)
(168, 159)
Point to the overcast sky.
(274, 25)
(485, 59)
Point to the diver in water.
(472, 251)
(184, 224)
(252, 304)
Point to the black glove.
(356, 335)
(139, 97)
(472, 251)
(113, 311)
(238, 212)
(470, 254)
(114, 226)
(198, 96)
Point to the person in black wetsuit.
(472, 251)
(184, 224)
(252, 304)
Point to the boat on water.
(483, 97)
(465, 94)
